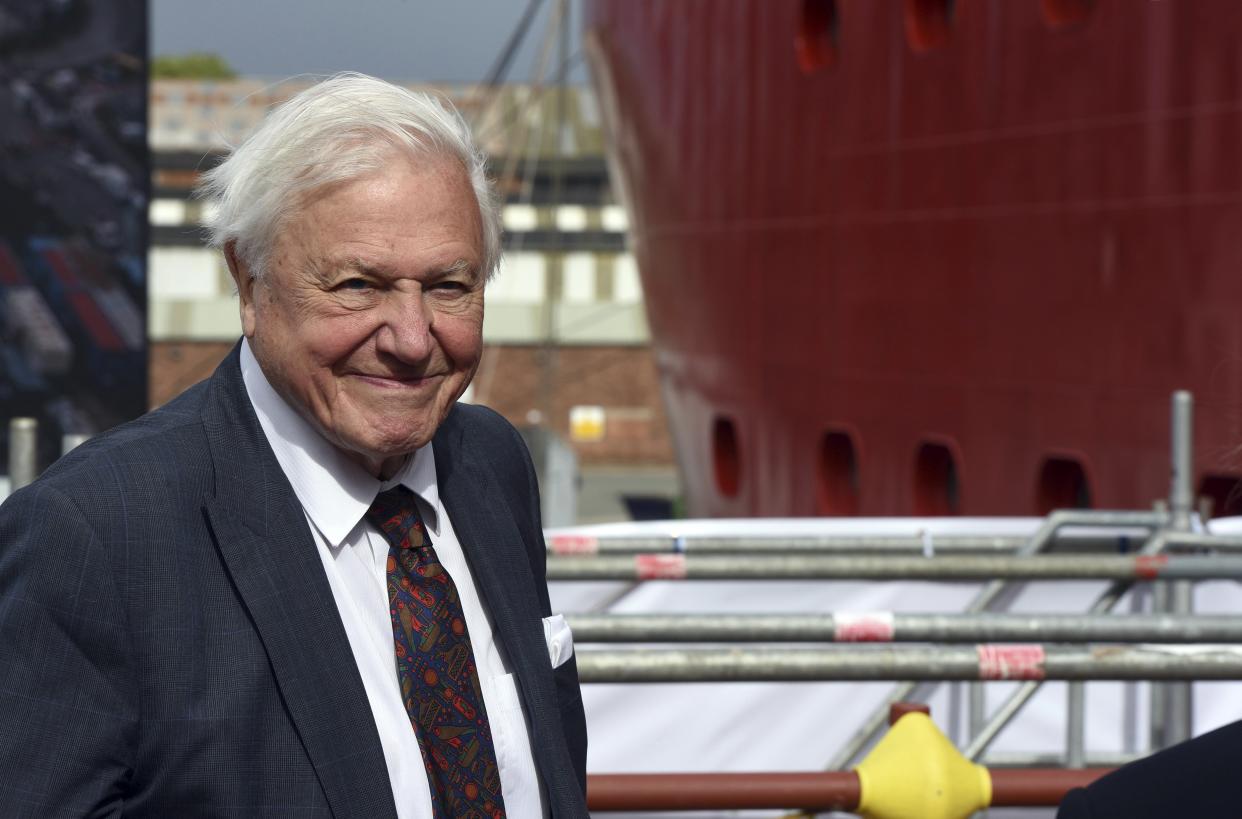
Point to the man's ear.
(240, 272)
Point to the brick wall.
(621, 379)
(511, 378)
(177, 365)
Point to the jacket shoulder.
(476, 419)
(496, 445)
(161, 453)
(489, 434)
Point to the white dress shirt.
(335, 494)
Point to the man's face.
(369, 318)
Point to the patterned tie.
(435, 667)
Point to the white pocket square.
(560, 639)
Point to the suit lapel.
(501, 567)
(268, 549)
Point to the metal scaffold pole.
(953, 568)
(808, 791)
(985, 662)
(889, 627)
(23, 452)
(1177, 596)
(794, 544)
(1181, 491)
(1107, 529)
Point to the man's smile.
(395, 381)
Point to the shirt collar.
(334, 490)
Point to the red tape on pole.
(660, 567)
(574, 545)
(863, 626)
(1011, 662)
(1149, 567)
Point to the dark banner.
(74, 184)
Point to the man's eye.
(354, 284)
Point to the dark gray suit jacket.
(169, 644)
(1198, 778)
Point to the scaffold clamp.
(915, 772)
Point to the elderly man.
(312, 585)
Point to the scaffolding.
(1159, 554)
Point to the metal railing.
(805, 791)
(1116, 531)
(952, 568)
(984, 662)
(895, 627)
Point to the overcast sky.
(423, 40)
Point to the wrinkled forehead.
(421, 210)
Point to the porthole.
(937, 485)
(1224, 492)
(928, 23)
(726, 457)
(815, 43)
(1062, 484)
(1066, 12)
(838, 477)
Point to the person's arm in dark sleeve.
(1075, 805)
(1199, 778)
(68, 701)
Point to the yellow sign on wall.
(586, 423)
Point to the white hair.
(340, 129)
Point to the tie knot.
(395, 513)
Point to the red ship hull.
(932, 258)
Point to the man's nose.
(406, 331)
